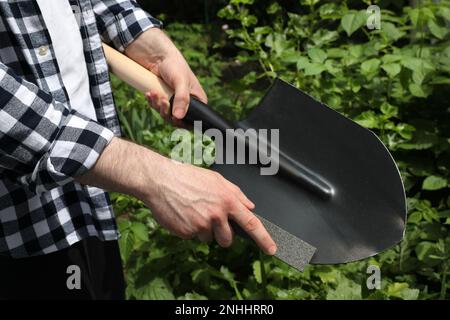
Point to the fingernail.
(178, 113)
(272, 250)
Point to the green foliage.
(394, 81)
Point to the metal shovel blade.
(365, 210)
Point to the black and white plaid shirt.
(43, 142)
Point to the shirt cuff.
(128, 25)
(76, 148)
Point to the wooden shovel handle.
(134, 74)
(144, 80)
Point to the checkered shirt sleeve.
(122, 21)
(41, 141)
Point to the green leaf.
(274, 8)
(257, 271)
(389, 110)
(391, 31)
(302, 62)
(310, 2)
(444, 12)
(324, 36)
(356, 50)
(157, 289)
(421, 140)
(402, 291)
(392, 69)
(203, 248)
(312, 69)
(419, 16)
(331, 67)
(425, 251)
(368, 119)
(277, 42)
(139, 230)
(126, 244)
(327, 274)
(287, 294)
(434, 183)
(249, 20)
(436, 30)
(418, 76)
(336, 53)
(290, 56)
(414, 63)
(418, 90)
(370, 66)
(317, 55)
(229, 276)
(192, 296)
(414, 16)
(353, 20)
(242, 1)
(330, 11)
(415, 217)
(389, 58)
(346, 289)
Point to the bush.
(394, 81)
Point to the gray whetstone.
(290, 249)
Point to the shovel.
(337, 196)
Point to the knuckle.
(228, 200)
(215, 216)
(184, 98)
(203, 226)
(252, 224)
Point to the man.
(60, 147)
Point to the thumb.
(181, 100)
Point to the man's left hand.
(154, 50)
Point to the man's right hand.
(189, 201)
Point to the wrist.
(148, 169)
(128, 168)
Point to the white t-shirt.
(68, 46)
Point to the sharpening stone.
(290, 249)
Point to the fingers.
(159, 103)
(205, 236)
(241, 196)
(184, 83)
(197, 90)
(223, 233)
(254, 227)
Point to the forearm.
(126, 167)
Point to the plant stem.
(263, 274)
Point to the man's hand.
(155, 51)
(188, 201)
(195, 202)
